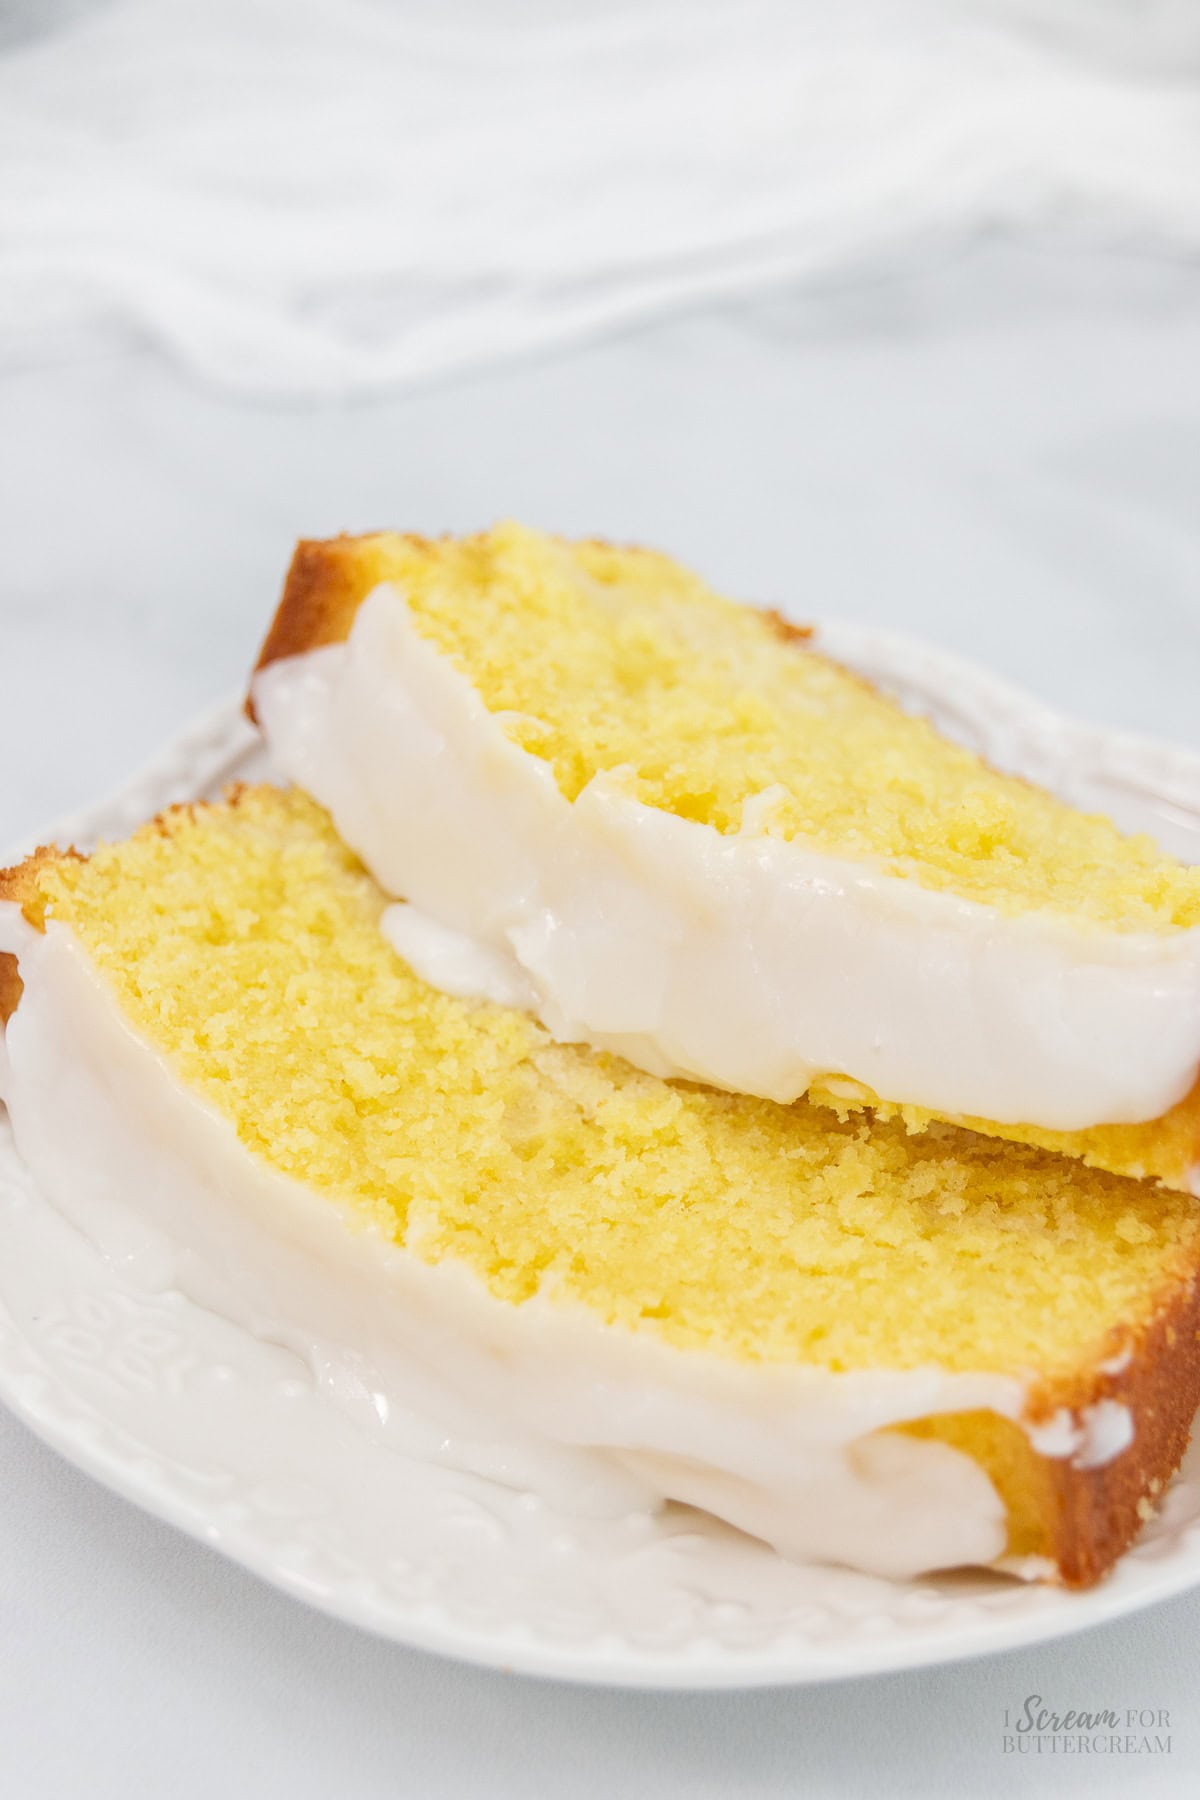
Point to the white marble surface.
(320, 197)
(1002, 453)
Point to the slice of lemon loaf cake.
(899, 1352)
(667, 826)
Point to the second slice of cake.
(897, 1352)
(667, 826)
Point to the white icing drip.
(1107, 1431)
(540, 1396)
(455, 963)
(1056, 1436)
(1028, 1568)
(742, 960)
(1091, 1437)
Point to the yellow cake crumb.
(244, 942)
(599, 658)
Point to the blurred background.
(885, 310)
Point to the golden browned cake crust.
(326, 584)
(20, 886)
(1082, 1520)
(10, 987)
(329, 579)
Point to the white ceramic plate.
(228, 1437)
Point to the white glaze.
(541, 1396)
(1091, 1437)
(741, 960)
(455, 963)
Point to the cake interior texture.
(598, 658)
(243, 941)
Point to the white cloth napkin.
(304, 197)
